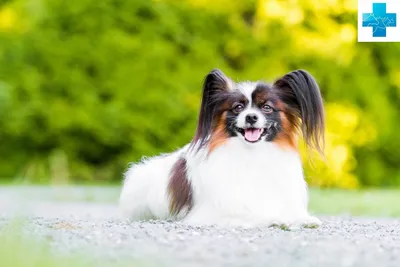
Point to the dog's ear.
(215, 84)
(301, 95)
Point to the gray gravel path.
(93, 229)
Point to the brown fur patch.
(260, 95)
(213, 110)
(219, 135)
(179, 188)
(288, 135)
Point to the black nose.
(251, 118)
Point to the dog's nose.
(251, 118)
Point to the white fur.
(238, 184)
(144, 192)
(241, 120)
(247, 88)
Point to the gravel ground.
(93, 230)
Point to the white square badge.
(378, 21)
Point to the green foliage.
(88, 86)
(367, 203)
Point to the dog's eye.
(238, 108)
(267, 109)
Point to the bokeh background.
(88, 86)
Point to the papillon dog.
(243, 167)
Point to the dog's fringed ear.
(300, 92)
(215, 83)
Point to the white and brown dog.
(242, 167)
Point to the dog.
(243, 166)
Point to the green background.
(88, 86)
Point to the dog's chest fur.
(239, 179)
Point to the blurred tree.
(87, 86)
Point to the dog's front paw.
(310, 222)
(307, 222)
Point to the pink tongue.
(252, 135)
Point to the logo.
(377, 21)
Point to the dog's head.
(258, 112)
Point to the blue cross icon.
(379, 20)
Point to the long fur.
(242, 167)
(214, 87)
(301, 93)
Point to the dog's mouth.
(252, 135)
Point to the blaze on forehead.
(248, 90)
(258, 94)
